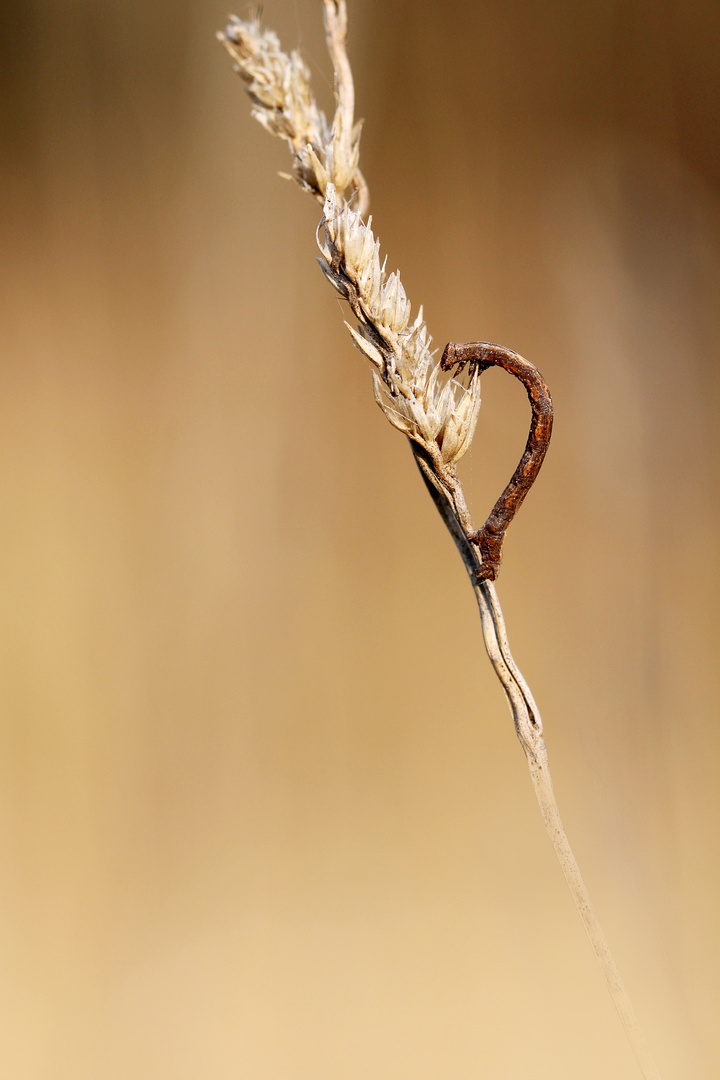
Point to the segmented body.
(482, 355)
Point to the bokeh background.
(262, 811)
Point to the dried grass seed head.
(278, 85)
(441, 418)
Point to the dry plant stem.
(528, 725)
(542, 782)
(438, 417)
(335, 21)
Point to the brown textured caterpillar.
(482, 355)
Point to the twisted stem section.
(529, 729)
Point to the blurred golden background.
(262, 810)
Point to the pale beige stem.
(401, 358)
(335, 21)
(542, 782)
(528, 725)
(447, 496)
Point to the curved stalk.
(542, 783)
(528, 725)
(438, 420)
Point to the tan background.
(262, 811)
